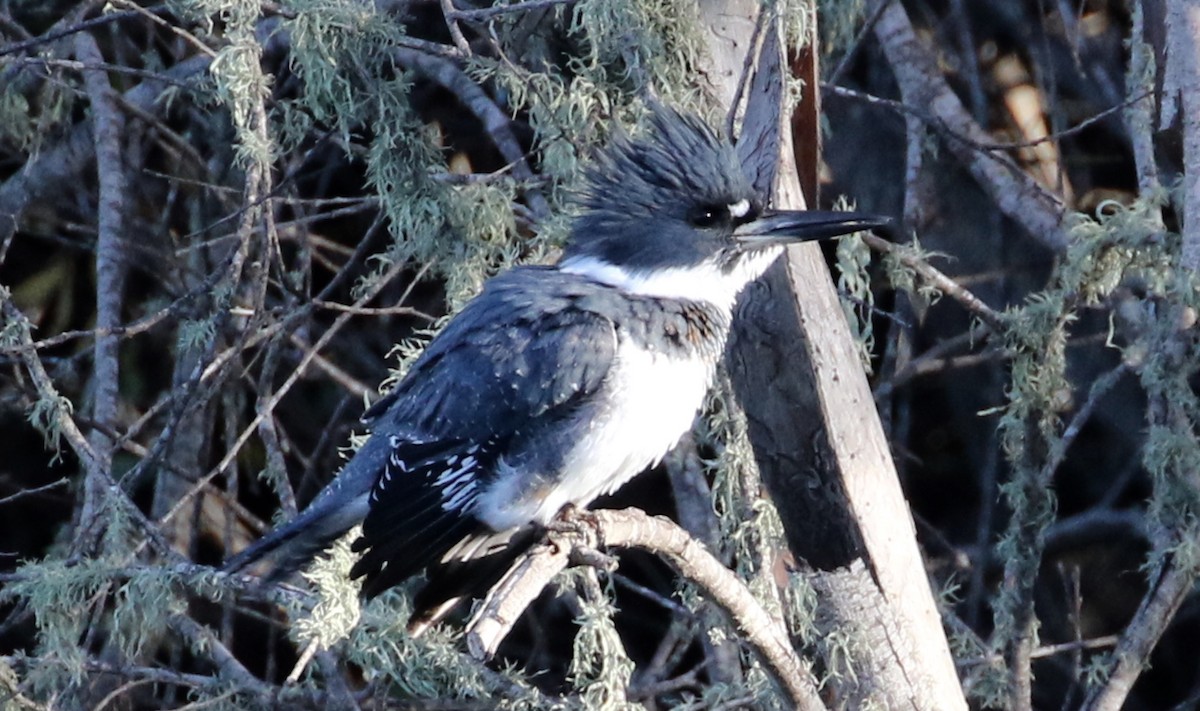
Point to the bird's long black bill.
(775, 228)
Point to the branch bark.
(632, 528)
(1182, 86)
(108, 128)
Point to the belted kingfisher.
(557, 384)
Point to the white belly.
(654, 400)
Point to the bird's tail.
(292, 545)
(339, 507)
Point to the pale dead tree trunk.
(821, 449)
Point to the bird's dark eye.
(709, 215)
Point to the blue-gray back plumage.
(514, 353)
(501, 383)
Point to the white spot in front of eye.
(740, 208)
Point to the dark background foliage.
(381, 180)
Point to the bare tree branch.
(631, 528)
(922, 84)
(61, 164)
(1173, 584)
(941, 282)
(110, 281)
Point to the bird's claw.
(572, 519)
(583, 555)
(582, 527)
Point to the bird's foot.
(572, 519)
(584, 555)
(580, 530)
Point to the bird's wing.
(511, 360)
(527, 345)
(489, 372)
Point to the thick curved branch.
(633, 528)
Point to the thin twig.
(943, 283)
(63, 423)
(354, 386)
(976, 142)
(34, 491)
(488, 13)
(1099, 389)
(937, 358)
(1045, 651)
(376, 310)
(843, 65)
(140, 326)
(270, 404)
(188, 37)
(456, 34)
(94, 65)
(306, 656)
(66, 32)
(157, 675)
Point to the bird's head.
(672, 214)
